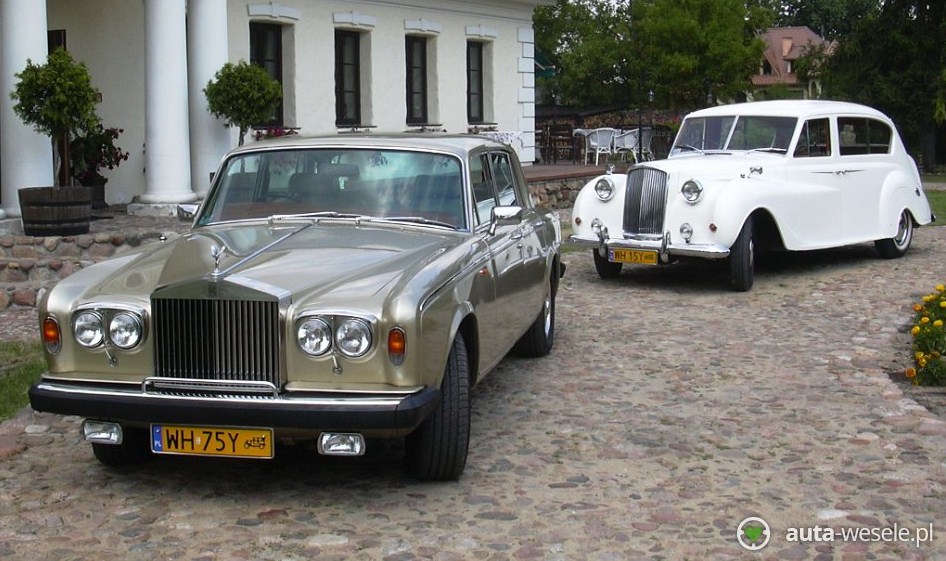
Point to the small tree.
(56, 98)
(243, 94)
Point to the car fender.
(588, 206)
(900, 193)
(732, 206)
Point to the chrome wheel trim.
(904, 232)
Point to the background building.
(778, 76)
(375, 66)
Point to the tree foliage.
(893, 61)
(614, 53)
(585, 40)
(243, 94)
(56, 98)
(697, 48)
(831, 19)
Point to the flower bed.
(929, 340)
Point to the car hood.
(726, 164)
(338, 261)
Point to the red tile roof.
(783, 46)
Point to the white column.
(26, 157)
(206, 53)
(167, 150)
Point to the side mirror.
(504, 216)
(187, 212)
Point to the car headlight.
(314, 336)
(353, 337)
(125, 330)
(604, 189)
(88, 328)
(691, 191)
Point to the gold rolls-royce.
(331, 290)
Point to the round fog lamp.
(604, 189)
(686, 231)
(88, 330)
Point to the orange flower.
(911, 372)
(917, 308)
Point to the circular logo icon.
(753, 533)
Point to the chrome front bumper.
(663, 247)
(399, 412)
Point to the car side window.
(815, 139)
(860, 135)
(505, 179)
(484, 197)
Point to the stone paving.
(670, 410)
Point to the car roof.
(458, 144)
(803, 108)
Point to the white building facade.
(370, 66)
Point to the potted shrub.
(244, 95)
(56, 98)
(92, 151)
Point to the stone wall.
(30, 265)
(557, 193)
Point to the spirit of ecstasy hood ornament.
(217, 252)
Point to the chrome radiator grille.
(645, 202)
(217, 339)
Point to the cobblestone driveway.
(670, 410)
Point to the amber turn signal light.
(52, 336)
(397, 345)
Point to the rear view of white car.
(780, 175)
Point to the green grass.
(938, 204)
(20, 366)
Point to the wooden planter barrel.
(56, 211)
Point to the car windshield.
(731, 132)
(391, 184)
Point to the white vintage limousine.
(790, 175)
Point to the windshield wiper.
(415, 219)
(770, 149)
(689, 147)
(305, 215)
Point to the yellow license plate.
(634, 256)
(212, 441)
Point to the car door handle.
(517, 235)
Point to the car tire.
(742, 259)
(437, 449)
(897, 246)
(605, 268)
(538, 340)
(134, 449)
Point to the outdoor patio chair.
(562, 143)
(599, 141)
(626, 143)
(647, 136)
